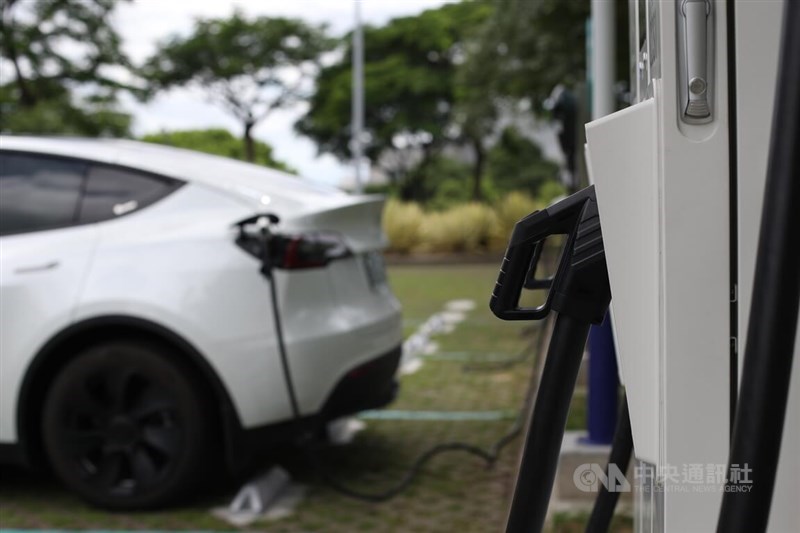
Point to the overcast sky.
(142, 23)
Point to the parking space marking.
(419, 343)
(437, 416)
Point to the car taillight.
(308, 250)
(294, 252)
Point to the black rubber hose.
(409, 476)
(489, 456)
(287, 371)
(758, 426)
(621, 450)
(548, 422)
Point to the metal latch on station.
(694, 60)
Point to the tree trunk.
(411, 187)
(249, 145)
(477, 169)
(26, 97)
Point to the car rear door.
(44, 257)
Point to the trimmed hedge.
(470, 228)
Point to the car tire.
(125, 426)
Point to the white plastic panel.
(695, 277)
(663, 192)
(622, 158)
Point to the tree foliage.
(446, 77)
(530, 46)
(45, 45)
(249, 67)
(439, 183)
(515, 163)
(58, 111)
(217, 141)
(409, 85)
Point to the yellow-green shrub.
(463, 228)
(550, 191)
(509, 210)
(402, 223)
(471, 227)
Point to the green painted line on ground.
(4, 530)
(437, 416)
(473, 357)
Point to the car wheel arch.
(66, 344)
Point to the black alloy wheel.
(125, 428)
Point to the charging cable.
(489, 457)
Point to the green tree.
(410, 69)
(58, 111)
(530, 46)
(44, 44)
(515, 163)
(439, 183)
(250, 67)
(478, 102)
(521, 53)
(218, 141)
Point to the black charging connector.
(580, 293)
(575, 217)
(255, 235)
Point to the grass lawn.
(455, 492)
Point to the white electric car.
(137, 337)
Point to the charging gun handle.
(510, 280)
(562, 218)
(581, 295)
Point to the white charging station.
(679, 180)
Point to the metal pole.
(358, 97)
(603, 57)
(602, 401)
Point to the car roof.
(245, 179)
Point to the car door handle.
(36, 268)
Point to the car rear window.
(111, 192)
(38, 193)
